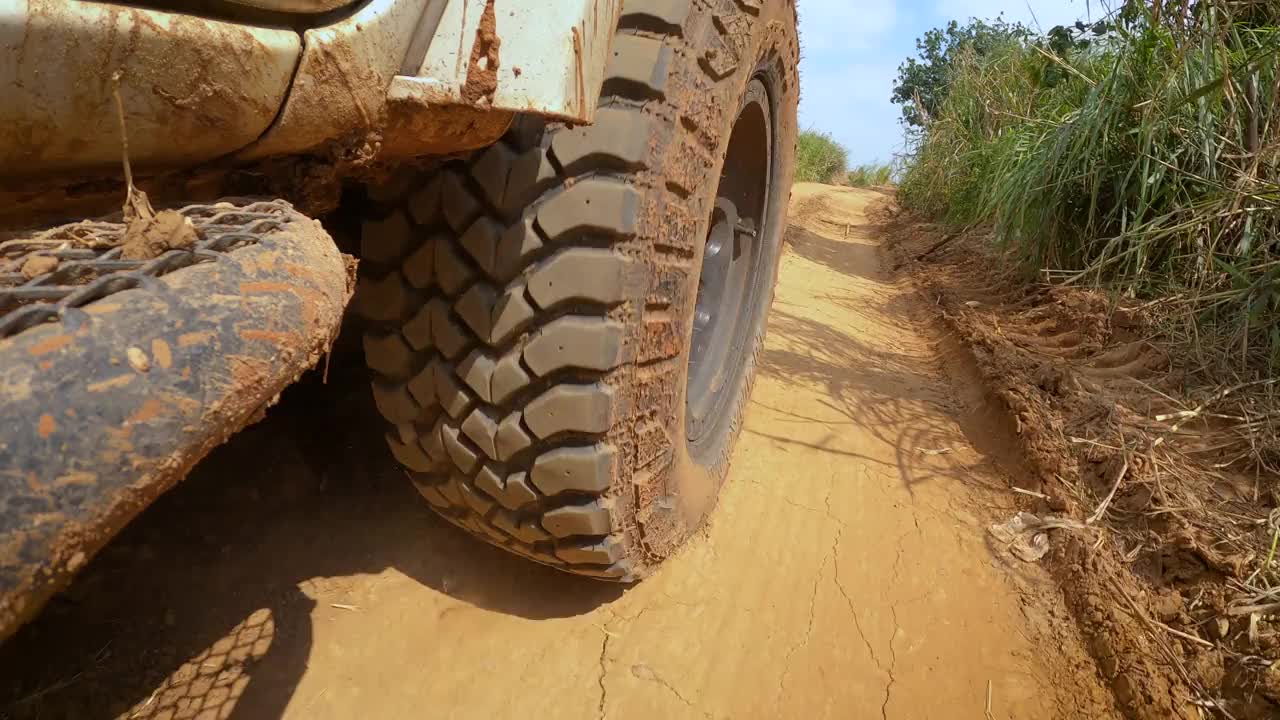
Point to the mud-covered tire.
(530, 306)
(119, 373)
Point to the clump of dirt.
(38, 265)
(27, 256)
(149, 237)
(1164, 472)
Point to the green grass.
(819, 158)
(871, 175)
(1147, 162)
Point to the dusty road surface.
(846, 573)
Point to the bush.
(923, 82)
(819, 158)
(871, 175)
(1145, 158)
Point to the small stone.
(1167, 606)
(76, 561)
(1269, 683)
(38, 265)
(138, 359)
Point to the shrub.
(871, 175)
(819, 158)
(1145, 158)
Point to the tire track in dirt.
(845, 574)
(1125, 429)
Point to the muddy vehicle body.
(566, 217)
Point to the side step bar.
(118, 374)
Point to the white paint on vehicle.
(552, 54)
(193, 88)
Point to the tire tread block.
(573, 520)
(574, 469)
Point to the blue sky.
(851, 50)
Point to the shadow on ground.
(207, 595)
(856, 259)
(912, 399)
(871, 380)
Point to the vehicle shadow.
(203, 606)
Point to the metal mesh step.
(90, 266)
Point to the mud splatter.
(482, 71)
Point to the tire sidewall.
(697, 480)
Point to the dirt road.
(847, 572)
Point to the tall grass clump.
(1144, 157)
(989, 98)
(871, 175)
(819, 158)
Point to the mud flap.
(117, 375)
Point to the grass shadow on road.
(209, 594)
(871, 378)
(861, 348)
(886, 392)
(847, 258)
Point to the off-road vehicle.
(568, 218)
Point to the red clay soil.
(847, 572)
(1165, 563)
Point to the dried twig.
(1185, 415)
(1261, 609)
(1169, 655)
(136, 204)
(1032, 493)
(1102, 509)
(1184, 636)
(946, 240)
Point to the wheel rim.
(732, 262)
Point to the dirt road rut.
(846, 573)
